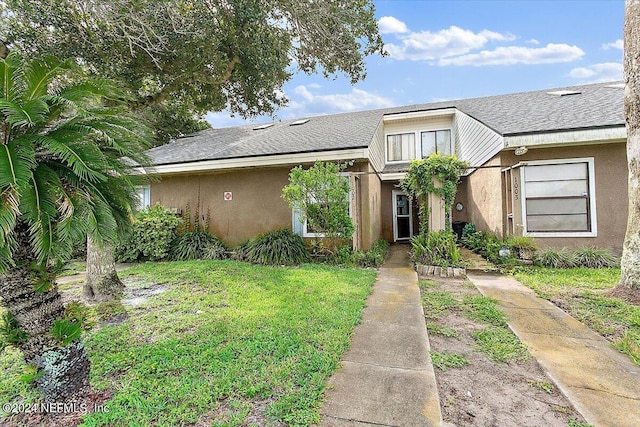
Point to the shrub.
(524, 247)
(468, 229)
(374, 257)
(154, 229)
(594, 258)
(555, 258)
(280, 247)
(435, 248)
(197, 244)
(240, 252)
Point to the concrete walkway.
(602, 384)
(386, 378)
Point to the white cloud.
(604, 72)
(618, 44)
(355, 100)
(303, 101)
(551, 53)
(391, 25)
(533, 41)
(453, 41)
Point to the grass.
(444, 361)
(438, 329)
(501, 345)
(496, 340)
(225, 339)
(582, 292)
(541, 385)
(483, 309)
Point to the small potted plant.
(523, 247)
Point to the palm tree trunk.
(65, 371)
(102, 282)
(630, 263)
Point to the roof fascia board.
(419, 114)
(392, 176)
(275, 160)
(583, 136)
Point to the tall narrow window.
(558, 197)
(436, 141)
(401, 147)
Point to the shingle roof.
(597, 105)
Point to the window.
(436, 141)
(143, 196)
(559, 198)
(401, 147)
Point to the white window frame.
(386, 147)
(143, 194)
(307, 233)
(417, 139)
(592, 198)
(435, 131)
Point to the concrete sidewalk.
(602, 384)
(386, 378)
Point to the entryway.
(402, 216)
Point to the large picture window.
(401, 147)
(435, 141)
(559, 197)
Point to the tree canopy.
(183, 58)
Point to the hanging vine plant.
(439, 175)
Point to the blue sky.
(452, 49)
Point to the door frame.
(394, 203)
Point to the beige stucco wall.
(610, 167)
(481, 195)
(256, 206)
(371, 206)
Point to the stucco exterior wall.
(610, 167)
(371, 206)
(256, 206)
(481, 195)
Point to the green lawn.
(583, 293)
(225, 341)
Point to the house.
(549, 164)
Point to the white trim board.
(275, 160)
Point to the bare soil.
(486, 393)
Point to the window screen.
(557, 197)
(401, 147)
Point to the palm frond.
(10, 76)
(85, 160)
(39, 75)
(17, 159)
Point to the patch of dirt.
(630, 295)
(136, 291)
(69, 416)
(229, 410)
(486, 393)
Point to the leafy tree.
(439, 175)
(183, 58)
(61, 177)
(630, 262)
(321, 195)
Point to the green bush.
(197, 244)
(489, 245)
(468, 229)
(373, 257)
(280, 247)
(595, 258)
(154, 229)
(435, 248)
(555, 258)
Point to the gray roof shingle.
(519, 113)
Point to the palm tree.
(62, 175)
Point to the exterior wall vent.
(615, 86)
